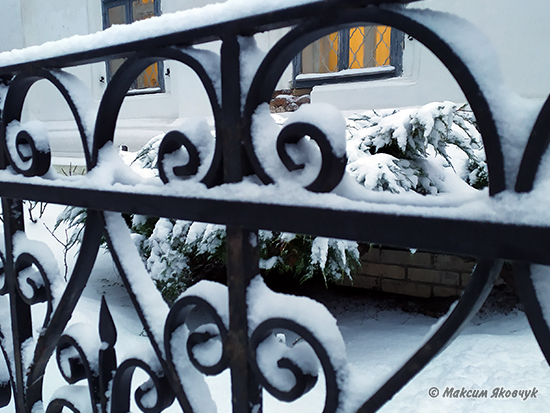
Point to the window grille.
(126, 12)
(357, 53)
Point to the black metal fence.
(25, 176)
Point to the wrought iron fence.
(237, 322)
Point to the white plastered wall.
(142, 116)
(517, 30)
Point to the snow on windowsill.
(368, 71)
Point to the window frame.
(344, 74)
(105, 6)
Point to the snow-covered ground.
(494, 351)
(497, 352)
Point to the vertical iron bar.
(20, 312)
(242, 266)
(343, 49)
(232, 125)
(242, 251)
(396, 50)
(21, 323)
(296, 68)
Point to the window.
(358, 53)
(125, 12)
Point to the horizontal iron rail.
(245, 26)
(472, 238)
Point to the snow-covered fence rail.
(249, 181)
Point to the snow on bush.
(428, 150)
(397, 151)
(177, 253)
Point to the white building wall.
(518, 31)
(41, 23)
(11, 33)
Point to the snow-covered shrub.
(304, 256)
(416, 149)
(397, 151)
(74, 219)
(147, 155)
(178, 253)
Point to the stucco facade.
(517, 30)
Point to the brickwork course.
(417, 274)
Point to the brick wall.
(418, 274)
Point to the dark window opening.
(355, 54)
(151, 80)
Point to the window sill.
(310, 80)
(147, 91)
